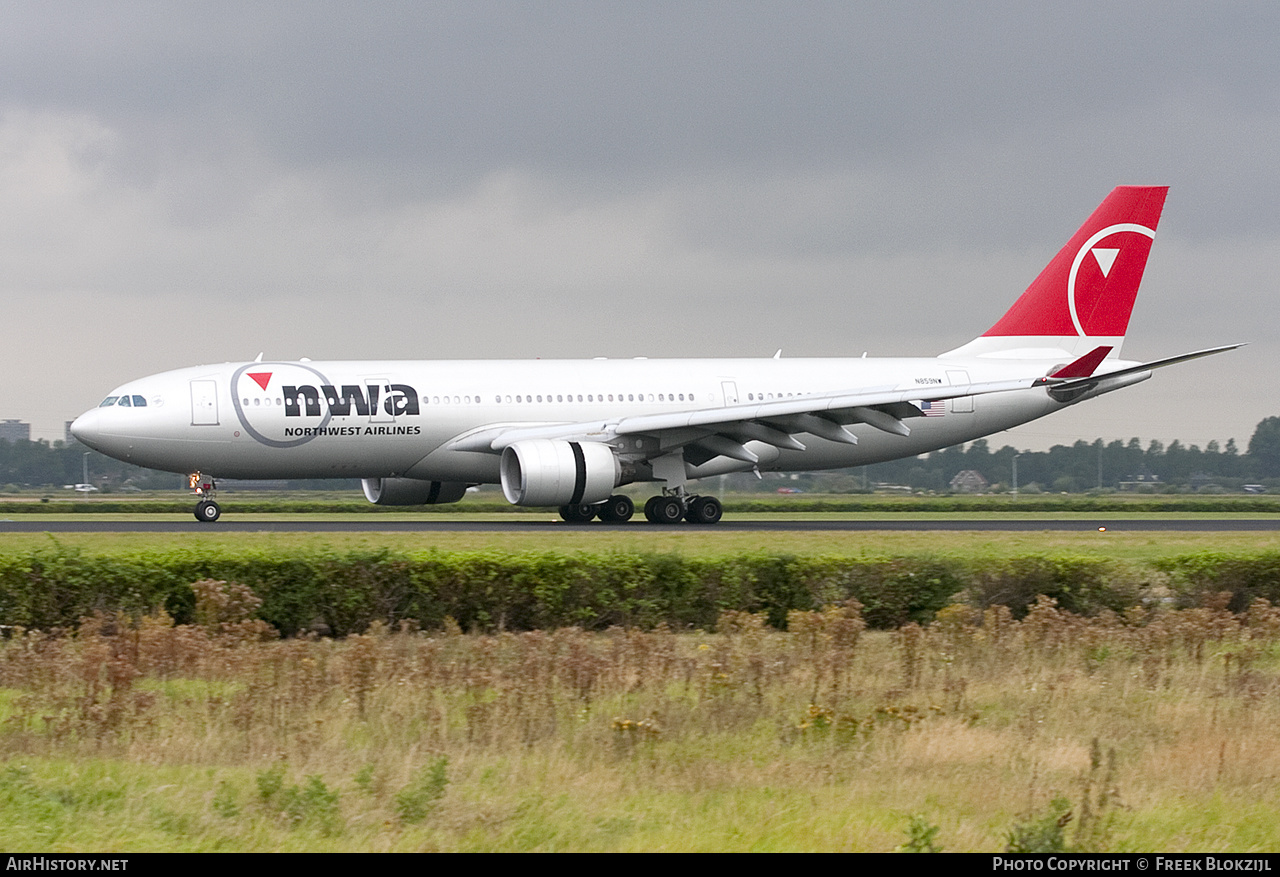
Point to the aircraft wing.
(725, 430)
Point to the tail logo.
(1106, 258)
(1087, 303)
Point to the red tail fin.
(1087, 292)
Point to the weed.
(422, 795)
(225, 801)
(1045, 833)
(921, 836)
(270, 782)
(366, 781)
(313, 803)
(1099, 799)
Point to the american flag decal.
(933, 409)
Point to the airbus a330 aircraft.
(568, 433)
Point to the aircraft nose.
(85, 428)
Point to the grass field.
(1153, 733)
(1115, 543)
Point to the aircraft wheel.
(207, 511)
(667, 510)
(705, 510)
(577, 514)
(617, 509)
(649, 514)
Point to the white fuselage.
(404, 419)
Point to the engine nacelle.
(545, 472)
(411, 491)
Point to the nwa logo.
(283, 405)
(305, 400)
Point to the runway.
(525, 525)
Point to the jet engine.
(544, 472)
(411, 491)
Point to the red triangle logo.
(261, 378)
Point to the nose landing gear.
(207, 511)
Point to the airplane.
(568, 433)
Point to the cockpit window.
(139, 402)
(108, 402)
(124, 402)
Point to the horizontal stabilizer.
(1073, 383)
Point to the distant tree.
(1264, 448)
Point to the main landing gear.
(668, 508)
(207, 511)
(672, 508)
(614, 510)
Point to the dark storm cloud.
(430, 95)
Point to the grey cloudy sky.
(195, 182)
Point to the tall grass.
(1148, 729)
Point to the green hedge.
(343, 593)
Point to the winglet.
(1085, 365)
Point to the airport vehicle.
(567, 433)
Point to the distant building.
(67, 437)
(14, 431)
(969, 481)
(1201, 481)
